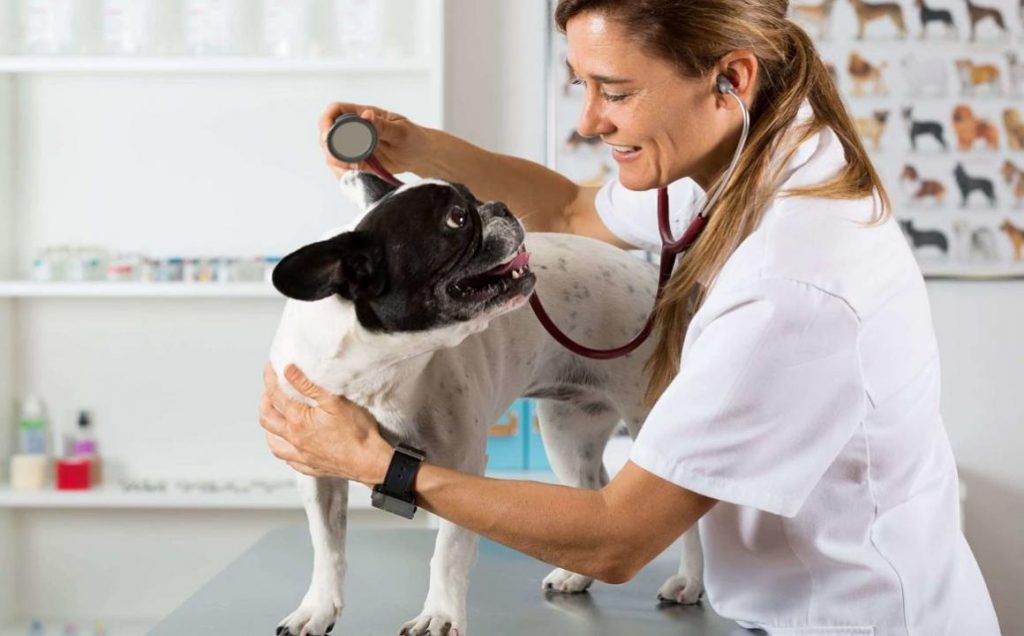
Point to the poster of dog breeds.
(935, 92)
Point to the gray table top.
(387, 582)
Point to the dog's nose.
(497, 209)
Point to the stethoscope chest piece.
(351, 138)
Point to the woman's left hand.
(335, 438)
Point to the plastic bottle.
(48, 26)
(286, 27)
(32, 427)
(84, 446)
(127, 26)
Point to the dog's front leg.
(326, 503)
(444, 611)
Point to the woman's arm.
(544, 200)
(608, 534)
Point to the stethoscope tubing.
(671, 249)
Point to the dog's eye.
(456, 218)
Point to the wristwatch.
(395, 494)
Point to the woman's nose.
(592, 122)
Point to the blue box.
(506, 439)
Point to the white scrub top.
(808, 404)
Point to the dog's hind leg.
(575, 433)
(326, 503)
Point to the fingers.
(270, 418)
(335, 110)
(305, 386)
(304, 469)
(291, 409)
(283, 449)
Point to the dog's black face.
(423, 257)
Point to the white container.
(29, 472)
(49, 26)
(211, 26)
(287, 27)
(357, 28)
(128, 26)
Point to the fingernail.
(291, 372)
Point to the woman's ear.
(351, 265)
(741, 68)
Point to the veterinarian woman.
(797, 410)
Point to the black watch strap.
(395, 494)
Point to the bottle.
(286, 27)
(32, 427)
(48, 26)
(127, 26)
(84, 446)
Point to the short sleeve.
(769, 392)
(632, 215)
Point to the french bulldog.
(416, 312)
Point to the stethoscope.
(352, 139)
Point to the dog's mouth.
(506, 278)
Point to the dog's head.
(422, 257)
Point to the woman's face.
(660, 125)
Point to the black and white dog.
(417, 313)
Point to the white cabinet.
(169, 155)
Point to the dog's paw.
(566, 582)
(435, 624)
(683, 590)
(310, 620)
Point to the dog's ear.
(364, 189)
(351, 265)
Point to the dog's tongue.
(522, 258)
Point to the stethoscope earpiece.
(724, 85)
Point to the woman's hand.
(400, 143)
(335, 438)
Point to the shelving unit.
(24, 64)
(119, 498)
(29, 289)
(168, 156)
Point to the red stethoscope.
(353, 139)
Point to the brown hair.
(694, 35)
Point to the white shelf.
(202, 64)
(31, 289)
(115, 497)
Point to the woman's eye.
(456, 218)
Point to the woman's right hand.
(399, 141)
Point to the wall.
(496, 98)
